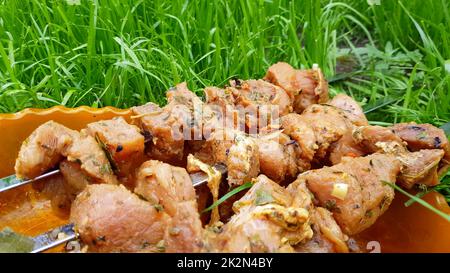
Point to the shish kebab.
(292, 120)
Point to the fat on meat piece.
(43, 149)
(110, 218)
(264, 221)
(420, 167)
(51, 142)
(305, 87)
(378, 139)
(170, 189)
(122, 142)
(353, 190)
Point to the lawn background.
(392, 56)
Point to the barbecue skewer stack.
(316, 165)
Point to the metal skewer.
(53, 238)
(11, 182)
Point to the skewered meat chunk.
(123, 143)
(378, 139)
(315, 131)
(51, 142)
(273, 154)
(424, 136)
(219, 144)
(345, 146)
(56, 190)
(164, 129)
(421, 136)
(242, 160)
(256, 93)
(419, 167)
(294, 126)
(261, 102)
(200, 119)
(170, 126)
(238, 152)
(92, 159)
(305, 87)
(164, 185)
(253, 103)
(351, 109)
(181, 95)
(365, 140)
(278, 156)
(264, 221)
(110, 218)
(63, 190)
(223, 98)
(353, 190)
(185, 117)
(75, 180)
(325, 131)
(164, 219)
(43, 149)
(170, 189)
(329, 125)
(328, 236)
(329, 229)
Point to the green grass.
(392, 57)
(123, 53)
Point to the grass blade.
(420, 201)
(228, 195)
